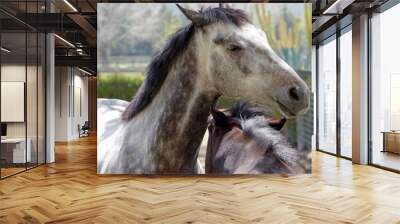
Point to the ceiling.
(331, 15)
(75, 22)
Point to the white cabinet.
(19, 155)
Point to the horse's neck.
(178, 116)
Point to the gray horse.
(220, 52)
(247, 140)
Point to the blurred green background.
(119, 85)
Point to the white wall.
(62, 81)
(80, 105)
(16, 73)
(34, 124)
(71, 94)
(12, 100)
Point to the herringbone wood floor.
(70, 191)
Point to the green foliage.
(286, 36)
(308, 20)
(124, 86)
(119, 85)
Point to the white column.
(50, 99)
(360, 90)
(50, 92)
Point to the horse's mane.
(253, 125)
(159, 67)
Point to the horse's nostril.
(295, 93)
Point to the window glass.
(385, 89)
(327, 96)
(14, 153)
(346, 94)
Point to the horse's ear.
(193, 16)
(219, 117)
(221, 120)
(234, 122)
(277, 124)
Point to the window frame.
(334, 37)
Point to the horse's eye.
(233, 47)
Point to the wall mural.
(195, 88)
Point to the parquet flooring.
(70, 191)
(10, 171)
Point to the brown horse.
(247, 140)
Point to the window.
(346, 93)
(385, 89)
(22, 78)
(327, 96)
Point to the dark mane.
(225, 15)
(244, 111)
(159, 67)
